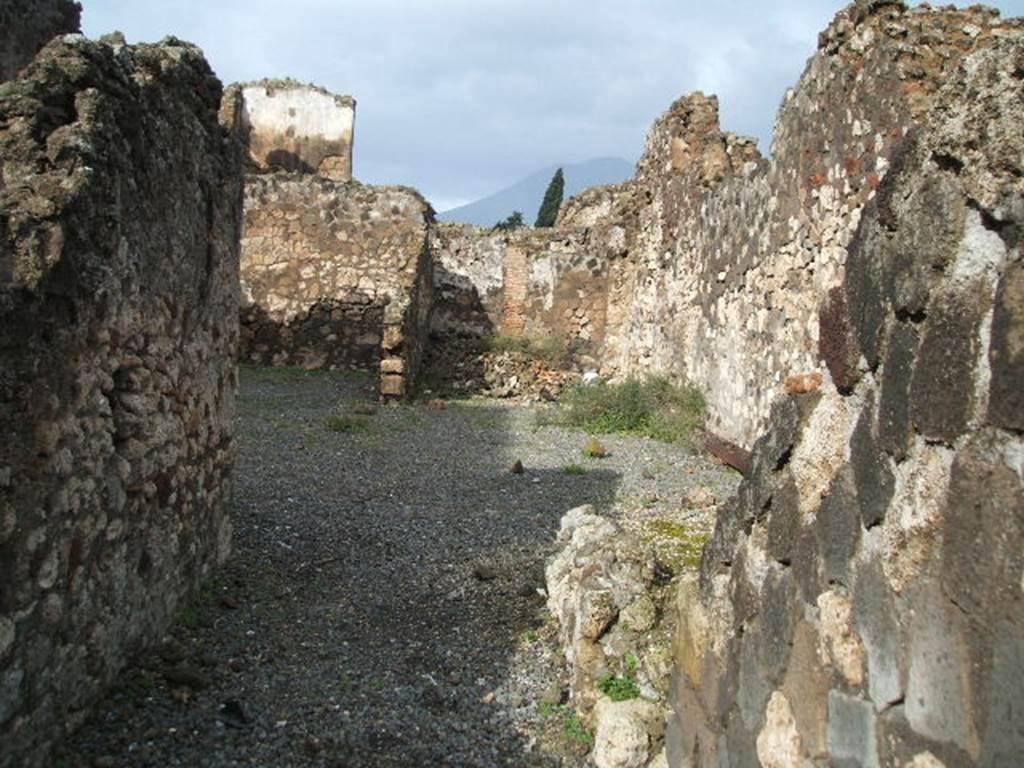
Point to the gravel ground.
(383, 605)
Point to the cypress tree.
(552, 201)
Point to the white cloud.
(459, 97)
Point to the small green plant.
(377, 684)
(529, 637)
(547, 708)
(594, 449)
(632, 662)
(575, 731)
(346, 424)
(653, 408)
(574, 469)
(618, 688)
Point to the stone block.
(872, 475)
(839, 528)
(392, 386)
(894, 430)
(939, 700)
(865, 292)
(778, 617)
(851, 730)
(1003, 742)
(942, 390)
(806, 688)
(392, 365)
(837, 344)
(784, 520)
(1006, 353)
(877, 624)
(982, 556)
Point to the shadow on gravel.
(387, 563)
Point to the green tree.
(515, 221)
(552, 201)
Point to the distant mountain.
(526, 195)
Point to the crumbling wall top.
(27, 25)
(297, 127)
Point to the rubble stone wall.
(711, 264)
(543, 284)
(295, 127)
(335, 275)
(860, 602)
(119, 221)
(27, 25)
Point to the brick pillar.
(516, 277)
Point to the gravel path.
(381, 607)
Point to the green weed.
(618, 688)
(576, 732)
(574, 469)
(346, 424)
(653, 408)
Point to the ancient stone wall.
(861, 602)
(543, 284)
(335, 275)
(119, 222)
(730, 255)
(296, 127)
(28, 25)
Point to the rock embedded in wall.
(861, 600)
(27, 25)
(119, 222)
(295, 127)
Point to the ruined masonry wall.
(862, 600)
(295, 127)
(542, 284)
(732, 255)
(335, 275)
(119, 222)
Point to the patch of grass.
(529, 637)
(594, 449)
(547, 709)
(574, 469)
(618, 688)
(576, 732)
(346, 424)
(632, 662)
(653, 408)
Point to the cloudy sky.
(462, 97)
